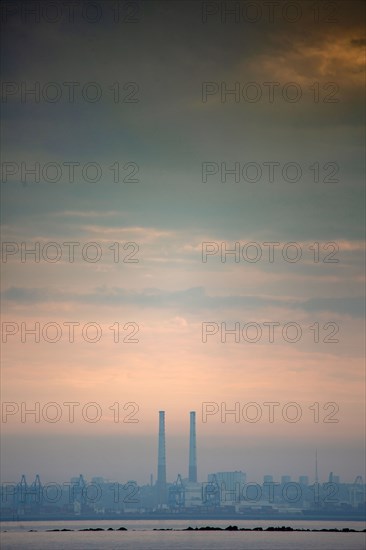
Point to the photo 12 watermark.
(270, 412)
(35, 12)
(271, 92)
(270, 252)
(69, 252)
(269, 332)
(51, 92)
(69, 412)
(71, 332)
(69, 172)
(268, 11)
(77, 491)
(270, 171)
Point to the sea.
(145, 535)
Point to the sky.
(175, 141)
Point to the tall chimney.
(161, 481)
(192, 474)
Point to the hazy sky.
(149, 97)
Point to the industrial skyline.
(223, 493)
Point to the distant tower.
(161, 481)
(192, 475)
(316, 466)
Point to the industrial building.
(223, 493)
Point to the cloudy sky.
(176, 125)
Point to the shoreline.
(186, 517)
(230, 528)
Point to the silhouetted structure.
(161, 481)
(192, 471)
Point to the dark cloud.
(192, 299)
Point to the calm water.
(140, 536)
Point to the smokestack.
(192, 474)
(161, 482)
